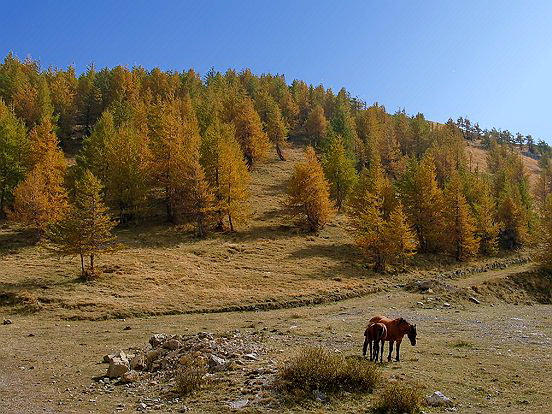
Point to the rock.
(250, 357)
(446, 305)
(438, 399)
(172, 344)
(420, 303)
(138, 362)
(320, 396)
(129, 376)
(205, 335)
(141, 407)
(238, 404)
(7, 322)
(157, 339)
(127, 328)
(118, 365)
(216, 363)
(474, 300)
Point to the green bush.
(399, 397)
(318, 369)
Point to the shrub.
(398, 398)
(318, 369)
(190, 377)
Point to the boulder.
(172, 344)
(138, 362)
(118, 365)
(216, 363)
(438, 399)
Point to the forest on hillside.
(150, 142)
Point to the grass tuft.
(191, 376)
(321, 370)
(398, 398)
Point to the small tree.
(400, 235)
(340, 171)
(545, 246)
(86, 228)
(199, 200)
(309, 193)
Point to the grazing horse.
(376, 333)
(396, 329)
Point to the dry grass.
(317, 369)
(191, 376)
(399, 397)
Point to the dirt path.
(480, 278)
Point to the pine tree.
(545, 246)
(460, 229)
(309, 193)
(400, 235)
(340, 171)
(13, 152)
(316, 126)
(227, 173)
(86, 228)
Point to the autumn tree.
(545, 244)
(316, 126)
(400, 236)
(424, 199)
(273, 121)
(227, 173)
(199, 201)
(249, 131)
(86, 228)
(309, 193)
(459, 239)
(339, 170)
(513, 218)
(13, 153)
(487, 228)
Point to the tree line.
(152, 141)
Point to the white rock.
(118, 365)
(438, 399)
(250, 357)
(238, 404)
(157, 339)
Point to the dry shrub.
(318, 369)
(190, 377)
(399, 397)
(29, 300)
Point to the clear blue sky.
(489, 60)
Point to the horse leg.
(365, 346)
(390, 351)
(371, 350)
(381, 352)
(398, 358)
(376, 351)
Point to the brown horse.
(396, 330)
(376, 333)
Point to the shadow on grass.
(16, 239)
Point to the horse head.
(412, 334)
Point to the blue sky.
(489, 60)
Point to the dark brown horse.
(396, 330)
(376, 334)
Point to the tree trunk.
(280, 152)
(82, 265)
(92, 263)
(230, 221)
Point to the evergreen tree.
(309, 193)
(460, 230)
(339, 170)
(85, 229)
(13, 153)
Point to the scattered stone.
(157, 340)
(250, 357)
(127, 328)
(320, 396)
(420, 303)
(138, 362)
(129, 376)
(7, 322)
(238, 404)
(31, 335)
(141, 407)
(474, 300)
(216, 363)
(446, 305)
(438, 399)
